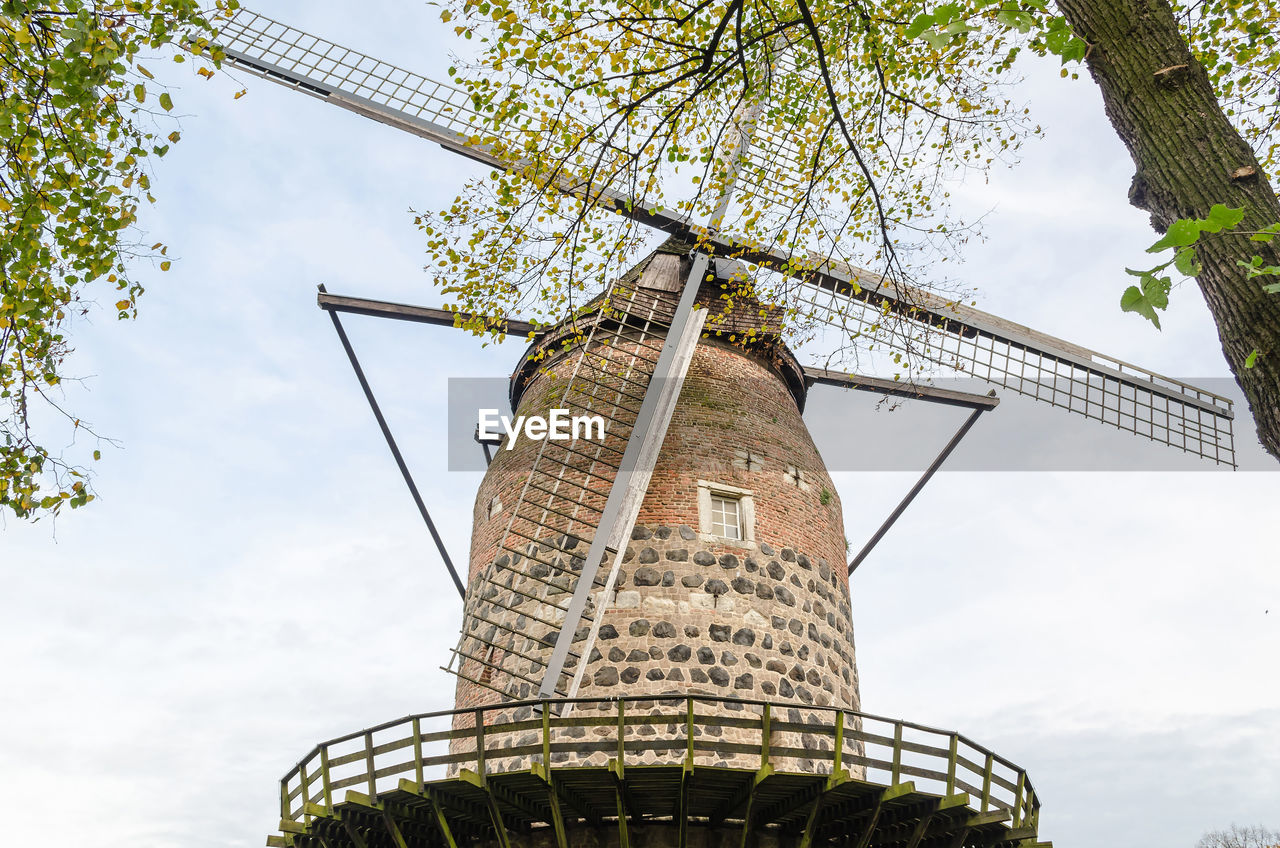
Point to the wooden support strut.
(393, 829)
(619, 788)
(874, 818)
(437, 812)
(686, 780)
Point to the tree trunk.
(1188, 157)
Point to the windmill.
(535, 612)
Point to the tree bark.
(1188, 157)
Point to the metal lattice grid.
(284, 54)
(516, 608)
(1052, 371)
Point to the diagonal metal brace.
(395, 449)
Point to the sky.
(254, 578)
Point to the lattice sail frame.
(290, 56)
(964, 340)
(971, 343)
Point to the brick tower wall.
(764, 618)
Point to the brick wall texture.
(691, 612)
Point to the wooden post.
(897, 753)
(324, 778)
(838, 761)
(688, 733)
(986, 781)
(1017, 801)
(622, 731)
(952, 755)
(302, 774)
(546, 736)
(765, 733)
(480, 766)
(285, 812)
(368, 764)
(417, 752)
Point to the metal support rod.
(488, 457)
(395, 450)
(915, 490)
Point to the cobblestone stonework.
(764, 617)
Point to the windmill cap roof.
(735, 318)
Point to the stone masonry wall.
(766, 617)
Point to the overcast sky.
(254, 579)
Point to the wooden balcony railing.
(654, 730)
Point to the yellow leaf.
(122, 305)
(164, 266)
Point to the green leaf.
(1186, 262)
(1252, 359)
(166, 102)
(936, 40)
(1266, 234)
(1180, 234)
(1222, 218)
(921, 23)
(1151, 294)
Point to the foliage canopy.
(81, 119)
(860, 116)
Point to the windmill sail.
(964, 340)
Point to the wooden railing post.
(1017, 801)
(303, 794)
(480, 766)
(952, 756)
(324, 777)
(765, 733)
(838, 761)
(622, 730)
(688, 732)
(285, 812)
(546, 737)
(368, 764)
(417, 752)
(986, 781)
(897, 753)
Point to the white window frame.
(746, 512)
(722, 506)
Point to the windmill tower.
(657, 645)
(726, 583)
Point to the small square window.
(725, 513)
(726, 517)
